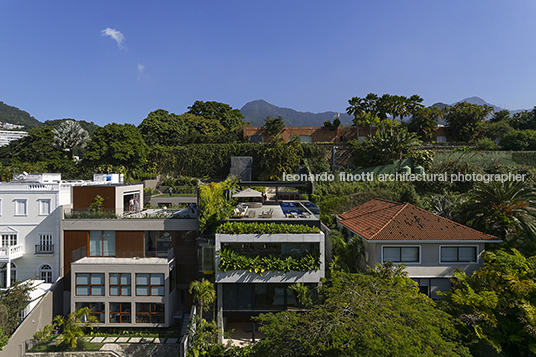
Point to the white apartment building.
(7, 135)
(30, 227)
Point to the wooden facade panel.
(72, 240)
(84, 195)
(129, 244)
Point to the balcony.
(10, 253)
(44, 249)
(136, 255)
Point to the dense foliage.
(264, 228)
(496, 305)
(231, 260)
(362, 315)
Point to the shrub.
(485, 144)
(264, 228)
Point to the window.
(97, 309)
(120, 312)
(45, 273)
(44, 207)
(102, 243)
(0, 207)
(150, 313)
(401, 254)
(45, 245)
(119, 284)
(150, 284)
(90, 284)
(8, 240)
(20, 207)
(458, 254)
(13, 275)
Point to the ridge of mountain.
(255, 112)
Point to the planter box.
(243, 276)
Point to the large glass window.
(260, 297)
(157, 244)
(120, 284)
(150, 284)
(458, 254)
(401, 254)
(102, 243)
(120, 312)
(97, 309)
(89, 284)
(150, 313)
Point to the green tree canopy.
(69, 135)
(523, 120)
(384, 147)
(464, 120)
(38, 146)
(163, 128)
(231, 119)
(519, 140)
(424, 122)
(500, 116)
(497, 305)
(501, 208)
(274, 126)
(494, 130)
(363, 315)
(279, 157)
(117, 145)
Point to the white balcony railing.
(15, 251)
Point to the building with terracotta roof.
(432, 247)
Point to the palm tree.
(70, 134)
(73, 326)
(501, 208)
(204, 293)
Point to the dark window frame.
(120, 286)
(122, 313)
(475, 248)
(90, 285)
(150, 286)
(153, 312)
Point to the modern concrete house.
(242, 294)
(132, 266)
(431, 247)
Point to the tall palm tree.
(70, 134)
(501, 208)
(204, 293)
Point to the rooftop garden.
(264, 228)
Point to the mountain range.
(255, 112)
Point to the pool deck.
(277, 214)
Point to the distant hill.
(13, 115)
(255, 113)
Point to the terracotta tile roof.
(385, 220)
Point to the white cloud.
(116, 35)
(140, 68)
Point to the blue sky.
(56, 61)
